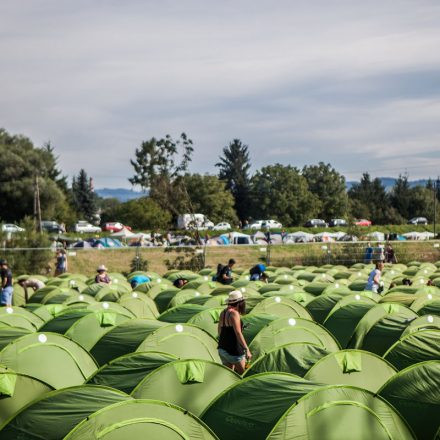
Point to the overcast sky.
(353, 83)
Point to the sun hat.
(101, 268)
(234, 297)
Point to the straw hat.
(234, 297)
(101, 268)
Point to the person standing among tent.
(390, 256)
(31, 283)
(232, 347)
(102, 275)
(224, 273)
(374, 284)
(7, 289)
(60, 262)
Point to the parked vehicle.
(115, 227)
(194, 221)
(10, 227)
(316, 223)
(337, 222)
(254, 225)
(223, 226)
(271, 224)
(84, 226)
(418, 221)
(362, 222)
(52, 227)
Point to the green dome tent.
(110, 307)
(420, 346)
(342, 320)
(163, 298)
(340, 412)
(181, 313)
(16, 391)
(287, 330)
(125, 372)
(139, 304)
(54, 414)
(381, 327)
(64, 320)
(112, 292)
(50, 357)
(247, 410)
(123, 339)
(282, 307)
(185, 295)
(191, 384)
(415, 393)
(352, 367)
(19, 314)
(182, 340)
(154, 290)
(87, 330)
(141, 419)
(9, 334)
(207, 320)
(422, 323)
(254, 322)
(45, 312)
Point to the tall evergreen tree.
(84, 197)
(234, 170)
(400, 196)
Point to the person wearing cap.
(232, 347)
(31, 283)
(102, 275)
(6, 289)
(257, 272)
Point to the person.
(60, 262)
(283, 235)
(139, 279)
(258, 272)
(407, 282)
(7, 289)
(224, 273)
(374, 284)
(430, 283)
(102, 275)
(180, 282)
(232, 346)
(31, 283)
(390, 256)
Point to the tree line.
(161, 166)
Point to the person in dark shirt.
(257, 273)
(180, 282)
(102, 275)
(225, 274)
(7, 290)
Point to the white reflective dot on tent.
(159, 280)
(421, 281)
(392, 272)
(292, 321)
(248, 278)
(243, 289)
(359, 274)
(285, 277)
(357, 297)
(42, 338)
(205, 278)
(81, 297)
(9, 310)
(425, 271)
(116, 281)
(105, 305)
(291, 287)
(429, 296)
(277, 299)
(134, 295)
(72, 282)
(430, 319)
(336, 285)
(197, 293)
(179, 328)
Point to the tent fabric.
(191, 384)
(352, 367)
(357, 412)
(61, 323)
(415, 393)
(182, 313)
(140, 305)
(282, 307)
(50, 357)
(138, 419)
(246, 410)
(54, 414)
(26, 389)
(423, 322)
(35, 320)
(7, 384)
(9, 334)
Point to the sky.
(350, 83)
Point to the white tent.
(418, 235)
(123, 233)
(376, 235)
(299, 236)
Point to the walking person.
(60, 262)
(7, 290)
(374, 284)
(232, 347)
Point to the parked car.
(337, 222)
(271, 224)
(10, 227)
(223, 226)
(362, 222)
(115, 227)
(418, 221)
(84, 226)
(52, 226)
(316, 223)
(254, 225)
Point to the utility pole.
(37, 206)
(436, 188)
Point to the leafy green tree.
(329, 186)
(421, 203)
(400, 196)
(281, 192)
(209, 196)
(234, 170)
(84, 197)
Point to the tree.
(209, 196)
(400, 196)
(283, 193)
(84, 197)
(157, 166)
(234, 170)
(329, 186)
(421, 203)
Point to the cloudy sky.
(353, 83)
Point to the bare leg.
(240, 366)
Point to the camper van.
(193, 221)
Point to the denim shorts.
(230, 358)
(6, 295)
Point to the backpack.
(216, 277)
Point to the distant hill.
(122, 194)
(388, 183)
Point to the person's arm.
(235, 321)
(376, 278)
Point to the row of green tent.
(88, 361)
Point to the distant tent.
(282, 307)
